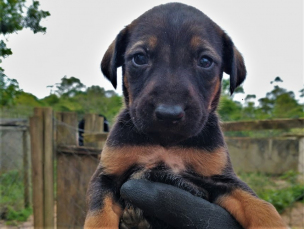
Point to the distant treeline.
(72, 95)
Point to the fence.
(15, 167)
(75, 166)
(61, 169)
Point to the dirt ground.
(294, 217)
(24, 225)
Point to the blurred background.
(50, 52)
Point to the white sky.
(269, 34)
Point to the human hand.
(176, 207)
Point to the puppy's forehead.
(174, 23)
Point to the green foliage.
(302, 93)
(4, 52)
(278, 103)
(16, 111)
(9, 90)
(51, 100)
(259, 182)
(21, 215)
(290, 176)
(16, 15)
(72, 95)
(27, 99)
(285, 197)
(34, 17)
(226, 88)
(228, 109)
(285, 106)
(69, 87)
(280, 191)
(96, 100)
(11, 197)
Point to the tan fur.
(118, 160)
(108, 217)
(152, 42)
(197, 41)
(251, 212)
(134, 47)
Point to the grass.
(20, 216)
(11, 197)
(281, 191)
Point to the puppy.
(173, 58)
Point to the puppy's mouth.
(168, 126)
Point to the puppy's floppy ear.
(233, 63)
(114, 57)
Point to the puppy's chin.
(166, 138)
(166, 134)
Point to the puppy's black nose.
(169, 113)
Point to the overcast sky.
(269, 34)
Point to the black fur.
(173, 37)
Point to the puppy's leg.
(103, 210)
(250, 211)
(107, 217)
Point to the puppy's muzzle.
(169, 113)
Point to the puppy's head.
(173, 58)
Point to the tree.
(69, 87)
(27, 100)
(302, 93)
(226, 88)
(15, 15)
(50, 100)
(249, 109)
(228, 108)
(9, 89)
(279, 103)
(96, 91)
(97, 100)
(276, 80)
(72, 95)
(286, 106)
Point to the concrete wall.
(11, 148)
(268, 155)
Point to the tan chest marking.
(116, 160)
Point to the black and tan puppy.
(173, 58)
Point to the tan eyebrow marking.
(134, 47)
(150, 44)
(197, 42)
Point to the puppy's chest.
(117, 161)
(159, 161)
(173, 166)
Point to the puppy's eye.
(140, 59)
(205, 62)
